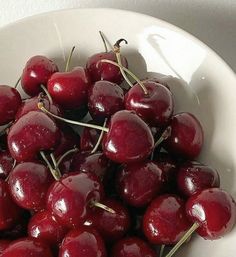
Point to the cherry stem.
(162, 250)
(42, 108)
(163, 137)
(14, 164)
(55, 173)
(99, 139)
(17, 82)
(53, 160)
(47, 93)
(182, 240)
(129, 72)
(74, 150)
(69, 59)
(102, 206)
(103, 40)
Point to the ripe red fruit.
(37, 71)
(10, 101)
(6, 164)
(3, 245)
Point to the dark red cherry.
(129, 139)
(165, 221)
(105, 71)
(104, 99)
(69, 89)
(43, 225)
(161, 79)
(89, 138)
(29, 183)
(95, 163)
(37, 71)
(156, 108)
(27, 247)
(10, 101)
(193, 177)
(139, 183)
(3, 245)
(70, 199)
(132, 247)
(214, 210)
(31, 104)
(9, 211)
(84, 241)
(186, 137)
(32, 133)
(111, 226)
(6, 164)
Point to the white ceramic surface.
(201, 82)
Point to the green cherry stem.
(42, 108)
(74, 150)
(17, 82)
(102, 206)
(129, 72)
(69, 59)
(162, 250)
(182, 240)
(163, 137)
(46, 93)
(103, 40)
(99, 139)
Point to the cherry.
(111, 226)
(10, 101)
(165, 221)
(161, 79)
(132, 247)
(105, 99)
(6, 164)
(29, 183)
(84, 241)
(9, 211)
(69, 89)
(31, 104)
(71, 198)
(139, 183)
(193, 177)
(95, 163)
(3, 245)
(37, 71)
(32, 133)
(44, 225)
(122, 143)
(156, 107)
(214, 210)
(186, 137)
(105, 71)
(27, 247)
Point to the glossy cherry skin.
(105, 99)
(165, 221)
(43, 225)
(89, 138)
(96, 163)
(69, 89)
(84, 241)
(32, 133)
(70, 198)
(31, 104)
(214, 210)
(111, 226)
(139, 183)
(37, 71)
(6, 164)
(132, 247)
(105, 71)
(193, 177)
(156, 108)
(186, 137)
(129, 139)
(3, 245)
(27, 247)
(29, 183)
(9, 211)
(10, 101)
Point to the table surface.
(211, 21)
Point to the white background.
(212, 21)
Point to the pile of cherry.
(127, 183)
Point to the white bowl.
(201, 81)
